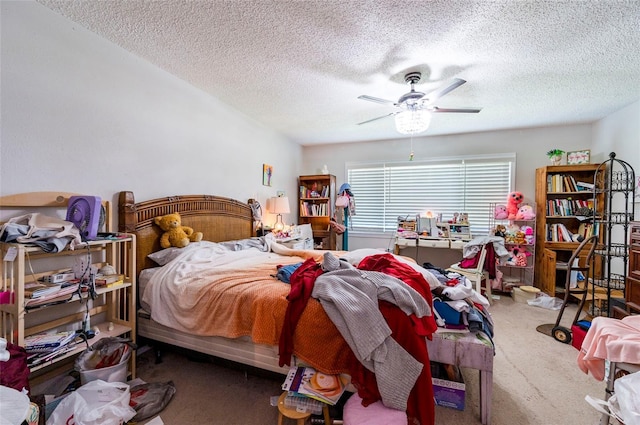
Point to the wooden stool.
(286, 412)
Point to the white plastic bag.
(95, 403)
(624, 404)
(609, 407)
(627, 391)
(546, 301)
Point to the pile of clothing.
(51, 234)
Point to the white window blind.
(385, 191)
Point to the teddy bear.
(513, 203)
(175, 234)
(514, 235)
(525, 212)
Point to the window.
(386, 191)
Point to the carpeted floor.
(536, 381)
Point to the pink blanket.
(610, 339)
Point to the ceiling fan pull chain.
(411, 154)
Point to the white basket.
(116, 373)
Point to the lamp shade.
(413, 121)
(279, 205)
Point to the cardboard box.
(448, 385)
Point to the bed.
(319, 344)
(219, 219)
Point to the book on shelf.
(37, 358)
(306, 381)
(109, 280)
(312, 209)
(584, 186)
(558, 183)
(559, 233)
(565, 234)
(48, 342)
(62, 295)
(317, 192)
(40, 289)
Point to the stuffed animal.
(500, 212)
(528, 234)
(514, 235)
(525, 212)
(513, 203)
(518, 257)
(175, 234)
(500, 230)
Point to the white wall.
(530, 146)
(80, 114)
(619, 133)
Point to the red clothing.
(409, 331)
(489, 261)
(388, 264)
(301, 281)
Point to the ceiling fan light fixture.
(413, 121)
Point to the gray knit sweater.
(350, 298)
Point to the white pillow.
(164, 256)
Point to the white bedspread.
(186, 284)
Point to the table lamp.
(279, 205)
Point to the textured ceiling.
(299, 66)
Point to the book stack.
(304, 381)
(43, 347)
(58, 293)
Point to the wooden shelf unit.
(550, 200)
(113, 305)
(316, 206)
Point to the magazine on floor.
(305, 380)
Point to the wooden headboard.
(218, 218)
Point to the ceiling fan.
(416, 107)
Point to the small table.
(466, 350)
(441, 252)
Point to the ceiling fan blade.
(378, 118)
(377, 100)
(467, 110)
(438, 93)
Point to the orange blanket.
(235, 294)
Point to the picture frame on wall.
(579, 157)
(267, 174)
